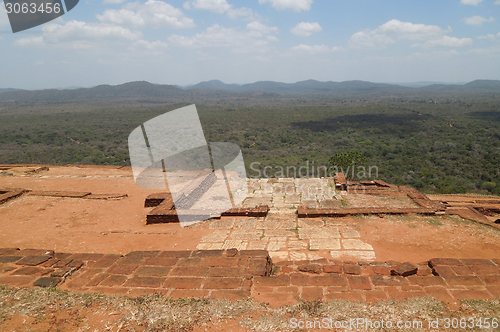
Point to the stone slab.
(319, 233)
(324, 244)
(350, 233)
(246, 234)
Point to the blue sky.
(185, 42)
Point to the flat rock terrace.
(91, 229)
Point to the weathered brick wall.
(232, 274)
(448, 280)
(216, 273)
(8, 194)
(306, 212)
(340, 181)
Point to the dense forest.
(443, 142)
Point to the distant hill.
(421, 84)
(484, 84)
(345, 88)
(132, 90)
(214, 85)
(309, 86)
(9, 89)
(216, 89)
(474, 86)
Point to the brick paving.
(297, 226)
(232, 274)
(287, 237)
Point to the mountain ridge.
(219, 89)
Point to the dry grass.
(157, 313)
(414, 310)
(149, 313)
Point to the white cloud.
(315, 49)
(214, 36)
(4, 19)
(369, 39)
(244, 12)
(153, 13)
(112, 2)
(391, 31)
(151, 45)
(306, 28)
(256, 37)
(29, 41)
(96, 37)
(79, 35)
(258, 29)
(156, 47)
(296, 5)
(477, 21)
(221, 7)
(471, 2)
(447, 41)
(218, 6)
(488, 36)
(408, 30)
(394, 30)
(497, 2)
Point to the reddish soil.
(100, 320)
(85, 225)
(413, 239)
(62, 320)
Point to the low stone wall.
(421, 199)
(59, 193)
(165, 212)
(448, 280)
(209, 273)
(306, 212)
(258, 211)
(340, 181)
(471, 214)
(8, 194)
(156, 199)
(232, 274)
